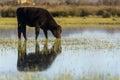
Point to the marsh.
(84, 53)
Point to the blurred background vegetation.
(65, 8)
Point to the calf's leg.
(24, 32)
(37, 30)
(45, 33)
(22, 29)
(19, 30)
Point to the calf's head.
(56, 31)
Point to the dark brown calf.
(38, 18)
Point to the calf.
(38, 18)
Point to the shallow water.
(79, 53)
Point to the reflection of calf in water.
(38, 60)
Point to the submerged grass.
(88, 44)
(32, 76)
(72, 22)
(67, 44)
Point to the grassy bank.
(72, 22)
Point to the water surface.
(80, 52)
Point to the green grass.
(71, 22)
(88, 22)
(8, 22)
